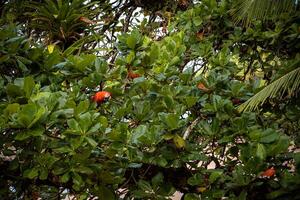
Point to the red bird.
(101, 97)
(269, 172)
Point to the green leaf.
(255, 135)
(13, 90)
(12, 108)
(131, 42)
(170, 119)
(84, 170)
(280, 146)
(168, 136)
(101, 66)
(28, 85)
(196, 179)
(192, 196)
(197, 21)
(276, 194)
(105, 193)
(38, 115)
(77, 180)
(191, 101)
(22, 135)
(161, 161)
(138, 132)
(94, 129)
(64, 149)
(82, 107)
(43, 173)
(269, 136)
(154, 53)
(76, 142)
(82, 62)
(4, 58)
(297, 161)
(22, 66)
(243, 195)
(73, 124)
(157, 179)
(27, 114)
(31, 173)
(130, 57)
(133, 39)
(37, 131)
(85, 121)
(65, 178)
(30, 132)
(169, 101)
(261, 151)
(144, 185)
(91, 141)
(174, 61)
(103, 121)
(215, 175)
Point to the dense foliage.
(177, 72)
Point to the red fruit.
(101, 97)
(269, 172)
(133, 75)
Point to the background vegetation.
(204, 99)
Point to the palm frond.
(248, 10)
(289, 82)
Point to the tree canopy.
(138, 99)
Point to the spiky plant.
(60, 21)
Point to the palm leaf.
(289, 81)
(248, 10)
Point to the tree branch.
(191, 127)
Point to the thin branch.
(118, 14)
(248, 68)
(191, 127)
(127, 19)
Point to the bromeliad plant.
(60, 22)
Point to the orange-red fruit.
(101, 96)
(269, 172)
(133, 75)
(202, 87)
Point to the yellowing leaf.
(179, 141)
(201, 189)
(50, 48)
(168, 136)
